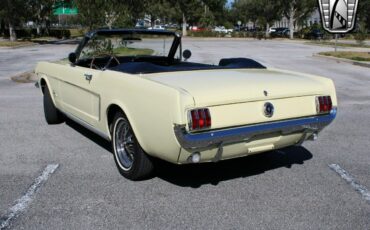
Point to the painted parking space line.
(350, 180)
(22, 203)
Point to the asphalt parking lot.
(289, 189)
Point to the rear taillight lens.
(199, 119)
(323, 104)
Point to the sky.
(229, 2)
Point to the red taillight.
(194, 119)
(323, 104)
(200, 119)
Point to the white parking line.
(350, 180)
(22, 203)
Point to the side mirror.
(186, 54)
(72, 57)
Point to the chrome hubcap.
(124, 144)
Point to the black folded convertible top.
(147, 67)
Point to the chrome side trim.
(205, 140)
(87, 126)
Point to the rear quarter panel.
(151, 108)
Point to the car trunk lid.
(222, 87)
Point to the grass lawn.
(356, 56)
(125, 51)
(42, 39)
(326, 43)
(15, 44)
(77, 32)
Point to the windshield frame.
(172, 52)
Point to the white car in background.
(272, 30)
(222, 29)
(157, 27)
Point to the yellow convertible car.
(137, 89)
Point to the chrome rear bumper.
(205, 140)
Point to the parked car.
(254, 30)
(222, 29)
(280, 32)
(197, 29)
(315, 34)
(272, 30)
(157, 27)
(173, 26)
(285, 33)
(136, 90)
(238, 28)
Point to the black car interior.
(155, 64)
(146, 65)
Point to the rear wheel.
(132, 162)
(52, 114)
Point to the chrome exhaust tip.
(195, 157)
(314, 137)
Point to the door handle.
(88, 77)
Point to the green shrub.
(361, 34)
(77, 32)
(59, 33)
(32, 33)
(241, 34)
(22, 33)
(205, 33)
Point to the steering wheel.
(112, 57)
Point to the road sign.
(64, 7)
(65, 11)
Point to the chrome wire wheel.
(124, 144)
(132, 161)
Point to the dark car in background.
(314, 34)
(280, 32)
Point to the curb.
(19, 46)
(358, 63)
(340, 46)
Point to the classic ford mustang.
(136, 89)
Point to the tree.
(2, 25)
(192, 11)
(156, 9)
(40, 10)
(263, 11)
(102, 13)
(296, 10)
(13, 11)
(245, 10)
(90, 12)
(187, 10)
(215, 12)
(363, 22)
(269, 11)
(363, 13)
(115, 12)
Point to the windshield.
(128, 45)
